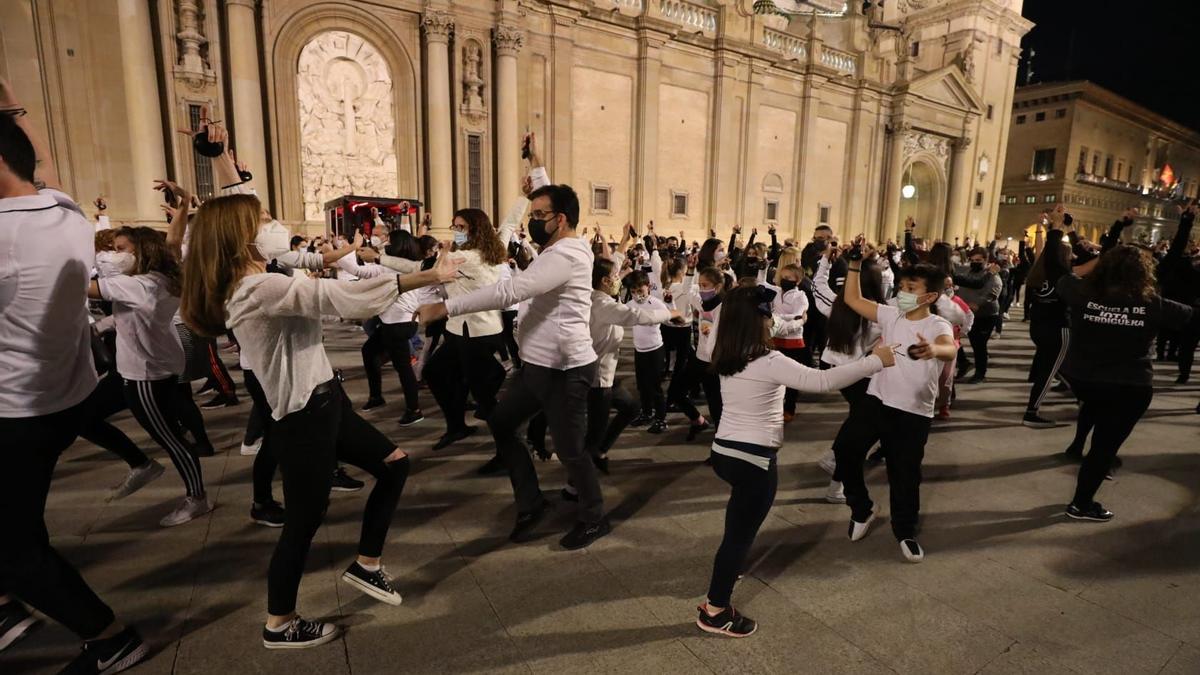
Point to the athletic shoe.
(943, 412)
(568, 496)
(300, 634)
(111, 655)
(657, 427)
(835, 493)
(828, 462)
(695, 430)
(270, 514)
(1034, 421)
(858, 530)
(1074, 452)
(911, 550)
(641, 420)
(15, 622)
(410, 418)
(978, 379)
(375, 584)
(1061, 387)
(220, 401)
(601, 463)
(1095, 512)
(583, 534)
(1182, 379)
(374, 402)
(342, 482)
(211, 385)
(453, 437)
(728, 623)
(136, 479)
(877, 457)
(492, 467)
(526, 522)
(189, 509)
(251, 449)
(204, 450)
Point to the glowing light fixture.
(908, 191)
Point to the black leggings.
(980, 333)
(260, 423)
(1051, 344)
(679, 340)
(189, 414)
(711, 382)
(1187, 341)
(1114, 409)
(464, 363)
(802, 356)
(154, 405)
(393, 339)
(308, 444)
(751, 497)
(106, 400)
(602, 432)
(648, 368)
(508, 318)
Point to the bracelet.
(15, 112)
(853, 269)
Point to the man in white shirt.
(46, 375)
(555, 342)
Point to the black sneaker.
(492, 467)
(601, 462)
(374, 402)
(1034, 421)
(220, 401)
(728, 623)
(111, 655)
(270, 514)
(1182, 379)
(657, 427)
(911, 550)
(526, 522)
(695, 430)
(1095, 512)
(410, 418)
(204, 450)
(641, 420)
(1074, 452)
(877, 457)
(375, 584)
(568, 496)
(978, 379)
(15, 622)
(453, 437)
(300, 634)
(583, 534)
(342, 482)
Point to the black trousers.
(979, 335)
(563, 394)
(804, 357)
(679, 340)
(395, 340)
(508, 318)
(153, 404)
(463, 364)
(903, 436)
(1187, 341)
(852, 432)
(814, 334)
(648, 368)
(1114, 409)
(260, 422)
(603, 432)
(1050, 343)
(711, 382)
(189, 414)
(750, 499)
(106, 400)
(30, 568)
(308, 444)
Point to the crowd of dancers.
(520, 325)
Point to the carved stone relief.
(193, 66)
(919, 142)
(474, 107)
(347, 121)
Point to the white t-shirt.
(46, 258)
(648, 338)
(147, 343)
(911, 385)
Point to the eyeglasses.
(542, 215)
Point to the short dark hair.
(934, 278)
(16, 149)
(637, 279)
(979, 250)
(601, 268)
(402, 244)
(824, 228)
(562, 199)
(296, 239)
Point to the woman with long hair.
(143, 286)
(1047, 313)
(1115, 313)
(277, 320)
(744, 452)
(466, 361)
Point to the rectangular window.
(771, 212)
(978, 199)
(916, 48)
(1060, 113)
(474, 171)
(1120, 168)
(679, 204)
(1050, 199)
(1043, 162)
(600, 198)
(1040, 117)
(200, 164)
(1095, 163)
(1020, 119)
(1030, 199)
(990, 109)
(1012, 199)
(823, 214)
(1108, 166)
(1083, 155)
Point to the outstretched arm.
(46, 174)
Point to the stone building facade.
(1099, 154)
(690, 113)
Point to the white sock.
(280, 629)
(369, 568)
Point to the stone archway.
(923, 196)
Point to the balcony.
(789, 45)
(1105, 182)
(693, 17)
(1040, 177)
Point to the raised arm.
(1113, 237)
(852, 291)
(46, 173)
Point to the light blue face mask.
(907, 302)
(460, 237)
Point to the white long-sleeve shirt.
(608, 322)
(554, 331)
(790, 306)
(148, 345)
(277, 320)
(405, 306)
(647, 338)
(474, 274)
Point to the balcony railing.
(1104, 181)
(789, 45)
(840, 61)
(689, 15)
(1040, 177)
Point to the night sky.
(1136, 48)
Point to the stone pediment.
(948, 87)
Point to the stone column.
(509, 40)
(147, 156)
(960, 189)
(645, 142)
(249, 140)
(890, 225)
(439, 200)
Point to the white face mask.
(272, 240)
(112, 263)
(718, 256)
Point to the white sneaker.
(828, 462)
(136, 479)
(835, 494)
(859, 530)
(252, 449)
(189, 509)
(912, 551)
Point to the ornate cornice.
(508, 39)
(437, 25)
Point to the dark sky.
(1137, 48)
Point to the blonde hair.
(220, 246)
(789, 257)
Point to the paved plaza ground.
(1009, 585)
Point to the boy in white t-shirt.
(900, 401)
(648, 361)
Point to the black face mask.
(428, 263)
(537, 232)
(976, 267)
(787, 285)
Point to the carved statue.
(967, 63)
(472, 80)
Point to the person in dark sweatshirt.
(1115, 314)
(979, 286)
(1179, 276)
